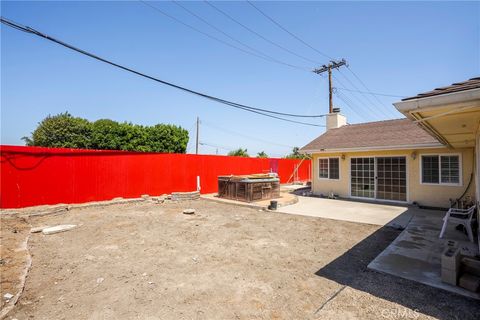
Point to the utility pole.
(198, 130)
(332, 65)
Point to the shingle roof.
(473, 83)
(389, 133)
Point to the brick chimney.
(335, 119)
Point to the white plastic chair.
(459, 216)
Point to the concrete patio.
(416, 253)
(393, 215)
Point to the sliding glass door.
(392, 178)
(362, 175)
(383, 178)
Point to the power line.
(380, 104)
(259, 35)
(272, 59)
(260, 111)
(266, 39)
(372, 93)
(367, 107)
(350, 105)
(218, 39)
(208, 124)
(321, 53)
(367, 98)
(227, 148)
(216, 146)
(365, 86)
(286, 30)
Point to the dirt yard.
(150, 261)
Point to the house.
(429, 158)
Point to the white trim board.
(387, 148)
(465, 97)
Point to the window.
(329, 168)
(430, 172)
(450, 171)
(441, 169)
(334, 168)
(323, 168)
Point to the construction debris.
(469, 282)
(450, 265)
(471, 265)
(8, 296)
(45, 210)
(160, 199)
(183, 196)
(273, 205)
(59, 228)
(38, 229)
(189, 211)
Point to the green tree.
(262, 154)
(63, 130)
(296, 154)
(135, 138)
(107, 135)
(167, 137)
(239, 153)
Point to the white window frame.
(440, 183)
(328, 168)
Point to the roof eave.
(375, 148)
(456, 99)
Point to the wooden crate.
(248, 190)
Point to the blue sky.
(399, 48)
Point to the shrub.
(65, 131)
(239, 153)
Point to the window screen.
(334, 169)
(450, 169)
(430, 169)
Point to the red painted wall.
(35, 176)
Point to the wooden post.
(330, 93)
(332, 65)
